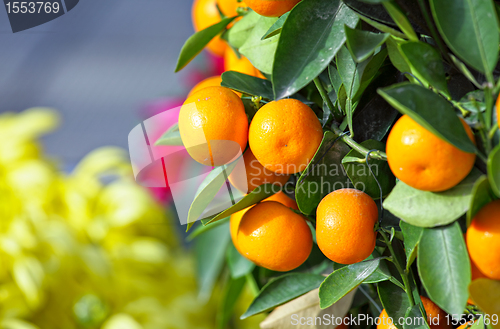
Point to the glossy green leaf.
(362, 44)
(382, 272)
(395, 302)
(429, 110)
(195, 44)
(260, 193)
(367, 71)
(238, 34)
(361, 176)
(401, 20)
(276, 28)
(426, 63)
(170, 137)
(348, 71)
(494, 170)
(411, 238)
(418, 320)
(482, 194)
(382, 27)
(429, 209)
(238, 265)
(470, 29)
(310, 38)
(210, 251)
(344, 280)
(281, 290)
(484, 293)
(261, 52)
(395, 55)
(200, 229)
(447, 283)
(323, 174)
(232, 292)
(247, 84)
(207, 191)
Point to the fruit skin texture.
(273, 236)
(255, 175)
(235, 219)
(422, 160)
(271, 8)
(483, 240)
(242, 65)
(284, 135)
(208, 82)
(210, 118)
(432, 310)
(344, 226)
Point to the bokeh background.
(98, 65)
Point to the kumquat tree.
(358, 142)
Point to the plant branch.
(336, 113)
(403, 273)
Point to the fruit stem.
(377, 155)
(403, 273)
(336, 113)
(252, 284)
(492, 132)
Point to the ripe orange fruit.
(483, 240)
(242, 65)
(344, 226)
(229, 7)
(235, 219)
(208, 82)
(271, 8)
(213, 126)
(254, 175)
(436, 317)
(284, 135)
(422, 160)
(273, 236)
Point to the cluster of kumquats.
(282, 138)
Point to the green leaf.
(382, 27)
(400, 19)
(360, 175)
(395, 55)
(411, 238)
(207, 191)
(261, 52)
(248, 84)
(238, 265)
(418, 320)
(260, 193)
(395, 301)
(344, 280)
(323, 174)
(429, 110)
(382, 272)
(482, 194)
(170, 137)
(348, 71)
(447, 283)
(470, 29)
(440, 208)
(463, 68)
(238, 34)
(367, 71)
(310, 38)
(232, 292)
(210, 250)
(426, 64)
(277, 26)
(195, 44)
(494, 170)
(362, 44)
(281, 290)
(200, 229)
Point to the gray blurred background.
(98, 65)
